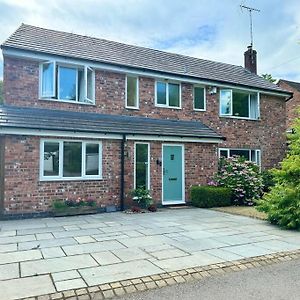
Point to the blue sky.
(209, 29)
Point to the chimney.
(250, 60)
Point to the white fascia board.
(172, 139)
(86, 135)
(58, 133)
(127, 70)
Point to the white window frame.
(57, 65)
(60, 176)
(257, 154)
(230, 115)
(204, 88)
(167, 94)
(137, 92)
(148, 162)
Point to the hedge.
(210, 196)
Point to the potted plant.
(72, 207)
(142, 197)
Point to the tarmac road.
(273, 282)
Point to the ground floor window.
(70, 160)
(142, 165)
(249, 154)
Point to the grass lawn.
(248, 211)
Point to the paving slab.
(248, 250)
(145, 241)
(17, 239)
(70, 284)
(47, 243)
(168, 253)
(122, 271)
(9, 271)
(52, 252)
(8, 247)
(92, 247)
(106, 258)
(26, 287)
(130, 254)
(67, 275)
(56, 265)
(18, 256)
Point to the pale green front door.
(173, 181)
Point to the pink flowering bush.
(242, 177)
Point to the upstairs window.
(132, 92)
(249, 154)
(67, 83)
(168, 94)
(199, 98)
(239, 104)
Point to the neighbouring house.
(293, 104)
(89, 117)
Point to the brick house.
(294, 103)
(94, 118)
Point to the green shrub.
(242, 177)
(142, 197)
(210, 196)
(268, 180)
(282, 203)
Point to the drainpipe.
(122, 171)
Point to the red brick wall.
(267, 134)
(24, 193)
(293, 105)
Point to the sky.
(209, 29)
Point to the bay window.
(67, 160)
(168, 94)
(240, 104)
(67, 82)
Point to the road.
(274, 282)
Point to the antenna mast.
(250, 9)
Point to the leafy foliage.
(282, 203)
(242, 177)
(61, 204)
(142, 197)
(268, 77)
(210, 196)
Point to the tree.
(282, 203)
(1, 92)
(268, 77)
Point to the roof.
(53, 42)
(295, 85)
(60, 120)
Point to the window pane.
(72, 159)
(81, 92)
(244, 153)
(67, 83)
(224, 153)
(51, 159)
(240, 104)
(92, 159)
(173, 95)
(132, 91)
(90, 85)
(254, 109)
(198, 98)
(47, 80)
(225, 102)
(161, 93)
(141, 165)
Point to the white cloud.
(215, 30)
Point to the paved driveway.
(55, 254)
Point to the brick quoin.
(25, 193)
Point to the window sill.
(198, 109)
(166, 106)
(67, 101)
(132, 107)
(44, 179)
(239, 118)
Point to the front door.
(173, 177)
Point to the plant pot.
(74, 211)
